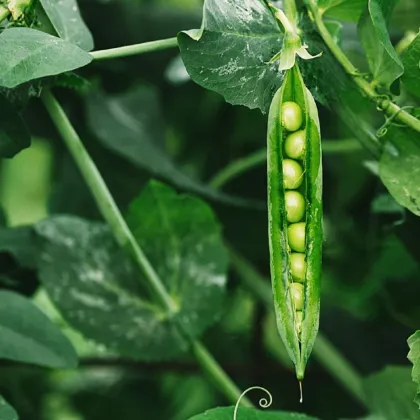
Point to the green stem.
(258, 158)
(291, 11)
(125, 238)
(136, 49)
(326, 354)
(388, 107)
(4, 13)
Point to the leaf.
(29, 336)
(411, 62)
(348, 10)
(226, 413)
(231, 55)
(384, 62)
(20, 243)
(100, 291)
(7, 412)
(67, 21)
(390, 392)
(134, 119)
(414, 358)
(14, 136)
(29, 54)
(399, 167)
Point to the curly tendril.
(384, 129)
(263, 402)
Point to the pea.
(295, 144)
(298, 321)
(296, 235)
(292, 174)
(297, 289)
(295, 206)
(291, 116)
(298, 266)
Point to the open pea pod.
(295, 233)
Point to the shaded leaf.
(399, 167)
(101, 293)
(226, 413)
(131, 125)
(414, 357)
(348, 10)
(20, 243)
(390, 393)
(29, 54)
(29, 336)
(14, 136)
(67, 21)
(411, 61)
(383, 60)
(7, 412)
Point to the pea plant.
(149, 227)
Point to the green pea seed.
(296, 235)
(295, 206)
(296, 289)
(298, 266)
(291, 116)
(295, 144)
(292, 174)
(298, 321)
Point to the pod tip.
(301, 392)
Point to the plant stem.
(326, 354)
(388, 107)
(291, 11)
(4, 13)
(247, 163)
(125, 238)
(136, 49)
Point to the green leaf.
(348, 10)
(135, 119)
(390, 393)
(7, 412)
(67, 21)
(14, 136)
(20, 243)
(29, 54)
(100, 292)
(399, 167)
(384, 62)
(414, 358)
(411, 61)
(231, 55)
(29, 336)
(226, 413)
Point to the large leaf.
(20, 243)
(7, 412)
(101, 293)
(348, 10)
(231, 54)
(226, 413)
(390, 393)
(28, 54)
(14, 135)
(27, 335)
(131, 125)
(411, 61)
(414, 357)
(67, 21)
(400, 167)
(384, 62)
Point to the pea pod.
(297, 321)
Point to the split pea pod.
(295, 215)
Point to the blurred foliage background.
(371, 260)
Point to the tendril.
(263, 402)
(389, 120)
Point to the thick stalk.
(136, 49)
(388, 107)
(125, 238)
(4, 13)
(291, 11)
(326, 354)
